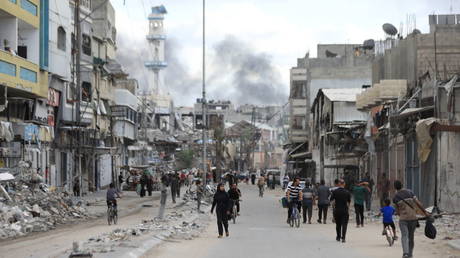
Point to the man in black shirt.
(341, 198)
(234, 193)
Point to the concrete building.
(428, 64)
(24, 64)
(337, 134)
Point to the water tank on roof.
(369, 44)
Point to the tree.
(185, 159)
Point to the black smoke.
(235, 72)
(253, 77)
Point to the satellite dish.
(330, 54)
(389, 29)
(369, 44)
(416, 31)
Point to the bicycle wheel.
(389, 235)
(297, 218)
(115, 217)
(109, 216)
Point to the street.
(55, 242)
(261, 231)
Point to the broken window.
(298, 90)
(61, 41)
(86, 45)
(86, 91)
(298, 122)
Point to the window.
(61, 38)
(86, 91)
(86, 45)
(7, 68)
(29, 6)
(28, 75)
(298, 123)
(114, 34)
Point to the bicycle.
(390, 235)
(112, 214)
(295, 216)
(234, 211)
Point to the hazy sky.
(272, 31)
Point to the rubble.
(182, 223)
(33, 208)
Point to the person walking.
(261, 185)
(222, 203)
(163, 196)
(253, 178)
(143, 182)
(174, 183)
(407, 207)
(149, 184)
(359, 193)
(285, 181)
(323, 194)
(199, 194)
(179, 185)
(341, 198)
(307, 202)
(370, 184)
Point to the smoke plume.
(235, 72)
(250, 75)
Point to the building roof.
(345, 95)
(159, 10)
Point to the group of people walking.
(405, 204)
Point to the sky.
(252, 44)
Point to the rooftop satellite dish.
(330, 54)
(369, 44)
(389, 29)
(416, 31)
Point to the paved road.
(261, 231)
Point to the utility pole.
(203, 101)
(77, 49)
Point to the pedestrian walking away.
(199, 194)
(221, 202)
(370, 184)
(323, 194)
(261, 185)
(174, 183)
(163, 196)
(407, 207)
(308, 197)
(359, 193)
(341, 198)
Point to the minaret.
(156, 39)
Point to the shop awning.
(412, 111)
(296, 148)
(301, 155)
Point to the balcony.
(156, 37)
(26, 10)
(156, 64)
(19, 73)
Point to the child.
(388, 212)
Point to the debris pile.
(449, 225)
(182, 223)
(31, 207)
